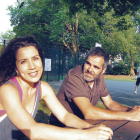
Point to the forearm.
(97, 113)
(46, 132)
(118, 107)
(74, 121)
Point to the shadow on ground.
(41, 117)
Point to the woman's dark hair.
(8, 56)
(98, 51)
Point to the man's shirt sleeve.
(75, 87)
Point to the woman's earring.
(17, 74)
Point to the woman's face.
(28, 64)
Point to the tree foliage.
(8, 35)
(113, 23)
(5, 37)
(33, 18)
(80, 32)
(120, 37)
(121, 7)
(49, 20)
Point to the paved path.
(55, 85)
(120, 91)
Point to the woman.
(21, 69)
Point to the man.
(84, 85)
(138, 80)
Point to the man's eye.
(87, 63)
(96, 67)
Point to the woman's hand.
(99, 132)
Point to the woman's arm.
(59, 111)
(10, 100)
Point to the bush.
(120, 69)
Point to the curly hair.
(8, 56)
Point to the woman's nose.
(31, 65)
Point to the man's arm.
(96, 113)
(112, 105)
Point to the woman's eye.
(36, 58)
(22, 62)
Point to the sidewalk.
(55, 85)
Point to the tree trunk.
(132, 72)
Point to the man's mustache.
(89, 72)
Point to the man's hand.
(136, 107)
(135, 113)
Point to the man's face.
(93, 67)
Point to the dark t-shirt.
(74, 85)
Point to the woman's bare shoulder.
(8, 90)
(46, 89)
(45, 85)
(7, 86)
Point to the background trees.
(33, 18)
(76, 33)
(8, 35)
(77, 25)
(121, 7)
(5, 37)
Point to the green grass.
(43, 113)
(100, 104)
(120, 78)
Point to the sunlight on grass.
(43, 113)
(120, 77)
(100, 104)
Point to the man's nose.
(90, 68)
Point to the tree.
(47, 19)
(50, 23)
(136, 18)
(121, 7)
(5, 37)
(33, 18)
(112, 31)
(120, 37)
(78, 33)
(8, 35)
(131, 47)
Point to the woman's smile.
(33, 74)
